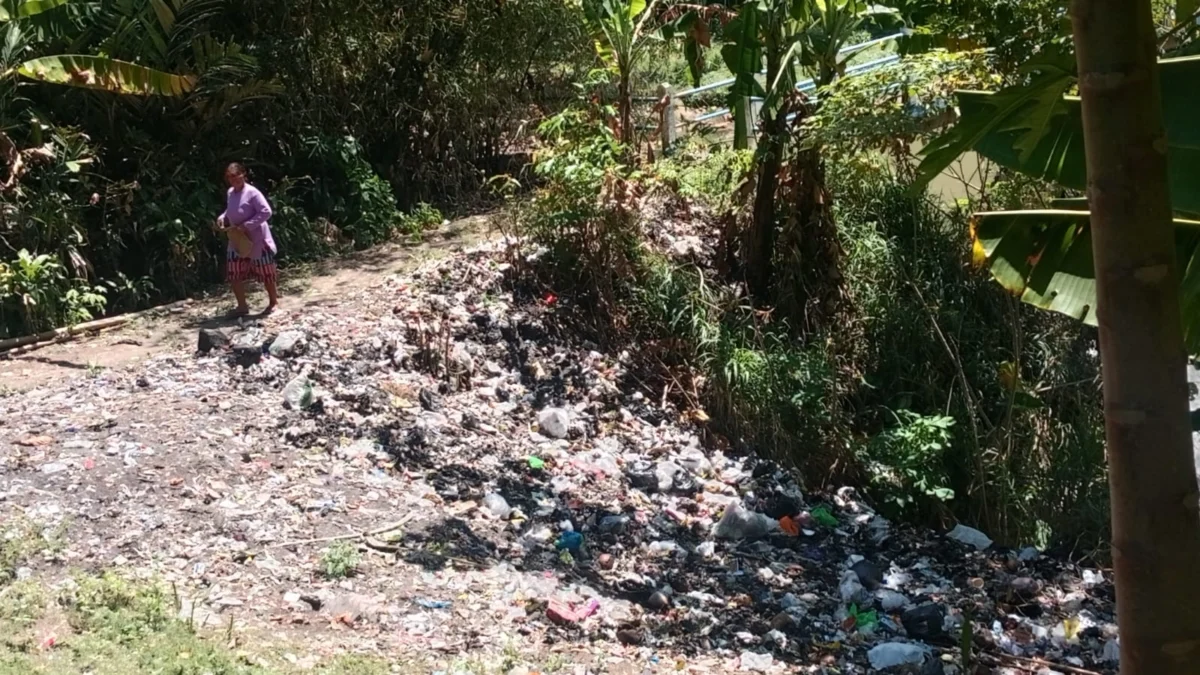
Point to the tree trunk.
(760, 252)
(625, 107)
(1152, 476)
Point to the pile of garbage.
(506, 483)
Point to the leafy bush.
(585, 214)
(340, 560)
(346, 190)
(938, 338)
(906, 463)
(712, 177)
(37, 293)
(421, 218)
(766, 389)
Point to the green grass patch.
(21, 541)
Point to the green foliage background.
(349, 117)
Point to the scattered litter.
(433, 604)
(892, 654)
(460, 445)
(822, 516)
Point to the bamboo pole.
(38, 340)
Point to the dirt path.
(158, 331)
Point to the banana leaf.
(1035, 130)
(1045, 258)
(21, 9)
(98, 72)
(743, 57)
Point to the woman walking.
(251, 251)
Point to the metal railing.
(667, 95)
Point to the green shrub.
(36, 293)
(585, 213)
(348, 192)
(340, 560)
(423, 217)
(906, 463)
(1026, 467)
(712, 177)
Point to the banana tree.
(619, 28)
(791, 38)
(1112, 252)
(1044, 256)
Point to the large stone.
(247, 350)
(554, 422)
(210, 339)
(288, 343)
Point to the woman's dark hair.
(236, 168)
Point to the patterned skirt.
(261, 269)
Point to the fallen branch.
(354, 535)
(1042, 663)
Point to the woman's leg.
(272, 292)
(236, 271)
(239, 292)
(266, 271)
